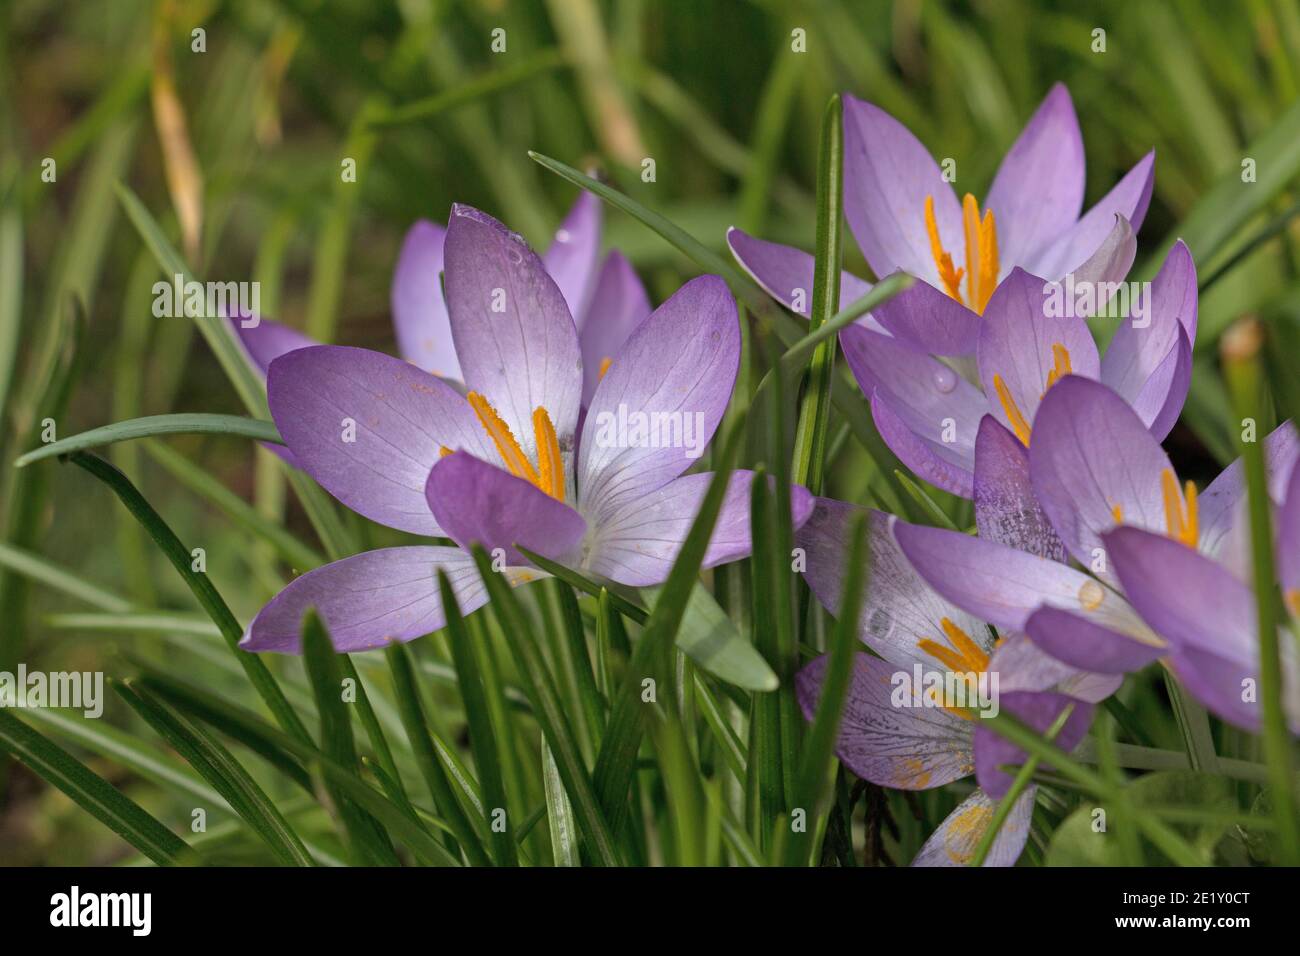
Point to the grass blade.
(812, 788)
(93, 793)
(220, 769)
(188, 423)
(199, 585)
(426, 755)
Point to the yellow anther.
(604, 367)
(963, 656)
(1060, 365)
(550, 479)
(982, 265)
(443, 451)
(1180, 510)
(511, 453)
(948, 275)
(1012, 410)
(1117, 512)
(989, 265)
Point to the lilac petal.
(617, 306)
(1110, 263)
(420, 318)
(1021, 665)
(955, 841)
(1075, 640)
(1288, 537)
(368, 600)
(525, 356)
(1006, 510)
(369, 427)
(945, 466)
(1090, 455)
(1187, 598)
(677, 370)
(1136, 354)
(917, 402)
(1016, 342)
(266, 341)
(785, 272)
(899, 609)
(1222, 505)
(1039, 711)
(639, 543)
(887, 736)
(1129, 198)
(1004, 586)
(574, 252)
(887, 176)
(1217, 682)
(478, 503)
(1161, 399)
(1038, 190)
(930, 321)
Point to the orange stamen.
(1012, 410)
(604, 367)
(1180, 510)
(948, 275)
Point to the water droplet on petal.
(563, 235)
(1091, 595)
(945, 379)
(514, 255)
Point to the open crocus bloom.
(1093, 465)
(1014, 574)
(900, 729)
(906, 217)
(929, 415)
(605, 297)
(501, 465)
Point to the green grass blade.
(299, 556)
(1244, 372)
(483, 733)
(813, 783)
(615, 763)
(426, 755)
(814, 414)
(559, 814)
(188, 423)
(37, 568)
(478, 88)
(220, 769)
(211, 602)
(539, 685)
(93, 793)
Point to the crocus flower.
(929, 414)
(1208, 615)
(1093, 465)
(897, 730)
(605, 297)
(906, 217)
(501, 464)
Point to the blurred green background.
(713, 92)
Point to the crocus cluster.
(1091, 559)
(540, 405)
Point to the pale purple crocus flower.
(501, 464)
(929, 414)
(899, 730)
(1093, 466)
(906, 217)
(604, 295)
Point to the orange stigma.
(1019, 424)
